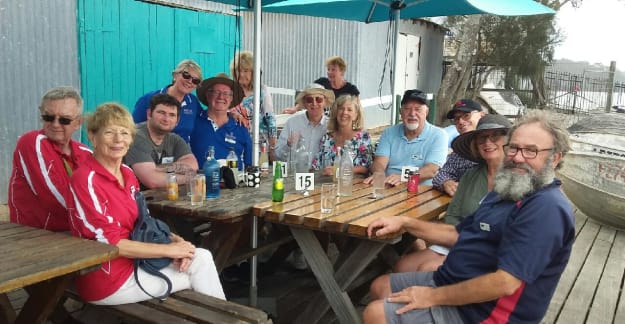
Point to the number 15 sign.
(304, 181)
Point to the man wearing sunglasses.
(412, 143)
(43, 162)
(310, 126)
(465, 115)
(506, 258)
(156, 150)
(186, 77)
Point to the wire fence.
(563, 91)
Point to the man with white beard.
(506, 258)
(414, 142)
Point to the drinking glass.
(378, 184)
(197, 186)
(328, 197)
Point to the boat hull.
(595, 182)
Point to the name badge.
(485, 227)
(167, 160)
(404, 172)
(231, 139)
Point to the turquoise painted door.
(129, 47)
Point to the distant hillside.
(594, 70)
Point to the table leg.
(42, 299)
(354, 261)
(221, 241)
(322, 268)
(7, 313)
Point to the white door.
(408, 63)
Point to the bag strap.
(149, 269)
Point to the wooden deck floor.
(591, 287)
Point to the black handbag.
(150, 230)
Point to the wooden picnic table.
(43, 262)
(229, 215)
(350, 218)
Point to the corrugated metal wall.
(38, 51)
(295, 49)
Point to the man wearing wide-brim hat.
(215, 127)
(310, 126)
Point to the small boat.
(593, 172)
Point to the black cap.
(464, 105)
(463, 143)
(414, 94)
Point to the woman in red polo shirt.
(103, 190)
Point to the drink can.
(413, 181)
(172, 187)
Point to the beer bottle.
(277, 192)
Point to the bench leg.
(42, 299)
(7, 313)
(322, 268)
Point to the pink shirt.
(106, 212)
(39, 184)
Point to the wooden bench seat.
(185, 307)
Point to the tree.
(522, 46)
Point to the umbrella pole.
(255, 148)
(396, 13)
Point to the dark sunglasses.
(186, 75)
(310, 100)
(51, 118)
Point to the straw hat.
(463, 144)
(315, 88)
(221, 78)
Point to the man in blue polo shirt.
(414, 142)
(505, 259)
(215, 127)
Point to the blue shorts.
(436, 314)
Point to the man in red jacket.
(43, 162)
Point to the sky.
(593, 32)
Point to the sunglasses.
(186, 75)
(51, 118)
(310, 100)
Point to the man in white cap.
(311, 126)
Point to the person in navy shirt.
(215, 127)
(186, 77)
(505, 259)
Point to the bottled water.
(346, 172)
(231, 161)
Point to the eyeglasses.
(62, 120)
(218, 93)
(465, 116)
(186, 75)
(493, 137)
(310, 99)
(526, 152)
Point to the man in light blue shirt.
(414, 142)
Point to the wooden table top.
(30, 255)
(353, 214)
(231, 206)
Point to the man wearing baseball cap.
(465, 115)
(414, 142)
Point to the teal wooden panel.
(129, 47)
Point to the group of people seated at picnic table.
(497, 256)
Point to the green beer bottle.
(277, 193)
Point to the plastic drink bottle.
(212, 172)
(346, 173)
(231, 161)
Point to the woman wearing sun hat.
(185, 78)
(215, 127)
(484, 145)
(311, 125)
